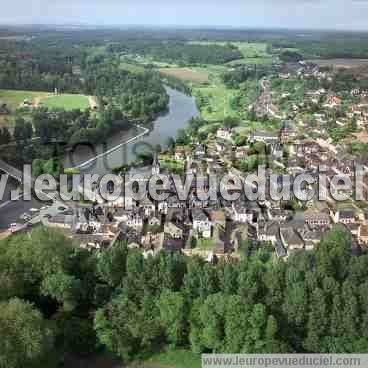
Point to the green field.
(67, 102)
(217, 105)
(15, 98)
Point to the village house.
(180, 153)
(148, 206)
(279, 215)
(196, 202)
(345, 216)
(363, 234)
(266, 137)
(241, 213)
(290, 239)
(199, 151)
(354, 229)
(269, 232)
(92, 241)
(320, 118)
(241, 153)
(61, 221)
(217, 217)
(174, 202)
(311, 237)
(332, 101)
(314, 217)
(154, 221)
(277, 151)
(201, 223)
(287, 132)
(224, 134)
(174, 230)
(135, 221)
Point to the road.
(93, 159)
(11, 211)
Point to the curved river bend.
(181, 109)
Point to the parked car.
(25, 217)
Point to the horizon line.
(180, 26)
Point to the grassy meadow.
(67, 102)
(14, 99)
(187, 74)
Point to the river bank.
(120, 149)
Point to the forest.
(31, 76)
(181, 53)
(139, 96)
(60, 298)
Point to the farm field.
(251, 61)
(67, 102)
(187, 74)
(132, 68)
(340, 63)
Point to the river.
(181, 109)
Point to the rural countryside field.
(15, 100)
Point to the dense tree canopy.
(25, 337)
(132, 306)
(180, 52)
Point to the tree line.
(179, 52)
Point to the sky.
(296, 14)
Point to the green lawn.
(67, 102)
(171, 359)
(14, 98)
